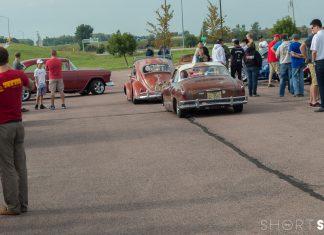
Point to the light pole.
(183, 39)
(221, 17)
(8, 26)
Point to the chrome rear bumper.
(147, 96)
(218, 102)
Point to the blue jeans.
(252, 73)
(319, 68)
(285, 75)
(298, 80)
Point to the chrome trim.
(227, 101)
(149, 97)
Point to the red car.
(147, 79)
(76, 80)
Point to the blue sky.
(58, 17)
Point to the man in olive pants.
(13, 170)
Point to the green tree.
(191, 40)
(285, 25)
(122, 44)
(214, 22)
(255, 30)
(161, 30)
(83, 31)
(204, 29)
(239, 31)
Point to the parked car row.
(187, 87)
(75, 80)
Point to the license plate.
(214, 95)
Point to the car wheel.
(26, 95)
(180, 112)
(238, 108)
(134, 100)
(97, 87)
(84, 92)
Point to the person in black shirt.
(253, 62)
(237, 54)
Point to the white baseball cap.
(40, 61)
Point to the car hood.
(151, 80)
(201, 84)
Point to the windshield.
(204, 71)
(72, 66)
(153, 68)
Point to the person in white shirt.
(263, 45)
(317, 49)
(218, 53)
(40, 82)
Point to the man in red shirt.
(54, 68)
(13, 171)
(272, 59)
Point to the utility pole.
(221, 17)
(183, 39)
(291, 8)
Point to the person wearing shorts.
(54, 68)
(272, 59)
(40, 81)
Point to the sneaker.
(270, 85)
(36, 106)
(52, 107)
(300, 95)
(256, 95)
(6, 211)
(320, 110)
(42, 106)
(24, 110)
(63, 106)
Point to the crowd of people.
(287, 58)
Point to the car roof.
(189, 66)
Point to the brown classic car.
(147, 79)
(203, 86)
(76, 80)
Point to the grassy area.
(82, 59)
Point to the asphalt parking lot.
(106, 166)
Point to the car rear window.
(154, 68)
(204, 71)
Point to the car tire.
(97, 87)
(26, 95)
(135, 101)
(84, 92)
(180, 112)
(238, 108)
